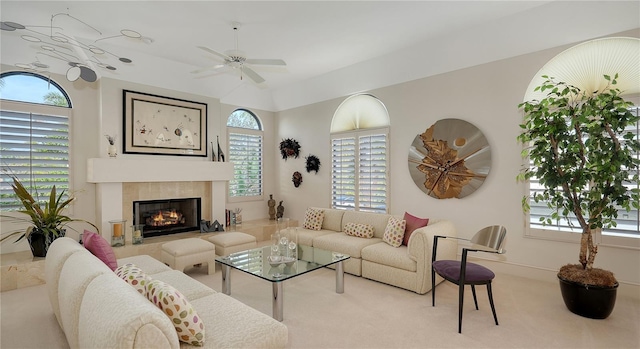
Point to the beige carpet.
(373, 315)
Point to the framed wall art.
(163, 126)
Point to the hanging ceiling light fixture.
(64, 47)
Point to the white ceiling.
(332, 48)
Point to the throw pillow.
(134, 276)
(313, 219)
(359, 230)
(394, 232)
(413, 223)
(183, 316)
(100, 248)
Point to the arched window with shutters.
(359, 155)
(245, 137)
(34, 135)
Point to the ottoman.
(180, 254)
(228, 243)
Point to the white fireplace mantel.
(110, 170)
(109, 173)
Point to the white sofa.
(407, 267)
(97, 309)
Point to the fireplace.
(167, 216)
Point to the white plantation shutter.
(359, 171)
(343, 173)
(372, 178)
(35, 147)
(628, 223)
(245, 151)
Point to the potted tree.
(582, 154)
(47, 223)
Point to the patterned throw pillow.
(181, 313)
(134, 276)
(394, 232)
(313, 219)
(359, 230)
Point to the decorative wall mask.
(297, 179)
(289, 147)
(313, 163)
(451, 159)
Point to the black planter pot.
(594, 302)
(39, 242)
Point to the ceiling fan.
(237, 60)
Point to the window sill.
(614, 241)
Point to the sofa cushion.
(385, 254)
(184, 317)
(413, 223)
(359, 230)
(377, 220)
(134, 276)
(232, 324)
(394, 233)
(343, 243)
(306, 236)
(100, 248)
(313, 219)
(145, 262)
(188, 286)
(332, 219)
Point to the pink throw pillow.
(413, 223)
(100, 248)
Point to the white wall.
(485, 95)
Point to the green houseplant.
(582, 154)
(47, 222)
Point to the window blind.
(245, 151)
(359, 171)
(35, 148)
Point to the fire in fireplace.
(167, 216)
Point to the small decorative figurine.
(280, 210)
(272, 207)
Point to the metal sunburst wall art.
(451, 159)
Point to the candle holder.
(137, 235)
(117, 232)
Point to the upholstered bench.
(228, 243)
(180, 254)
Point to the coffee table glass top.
(257, 261)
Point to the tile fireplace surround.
(121, 181)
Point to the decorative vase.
(594, 302)
(112, 150)
(39, 243)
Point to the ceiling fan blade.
(266, 61)
(221, 55)
(220, 71)
(202, 70)
(252, 75)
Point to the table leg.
(277, 300)
(226, 280)
(339, 277)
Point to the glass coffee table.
(258, 262)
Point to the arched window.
(244, 134)
(359, 139)
(34, 135)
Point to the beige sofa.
(97, 309)
(408, 267)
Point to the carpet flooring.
(374, 315)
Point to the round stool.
(228, 243)
(179, 254)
